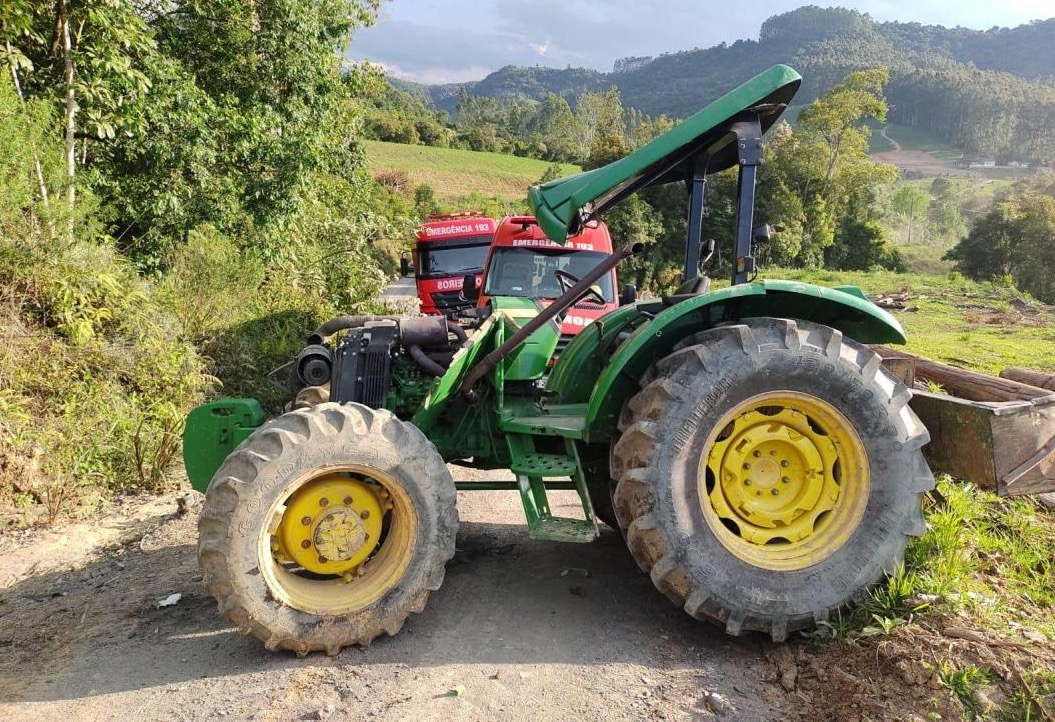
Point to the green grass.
(970, 324)
(910, 138)
(984, 565)
(455, 174)
(1004, 174)
(916, 139)
(926, 258)
(963, 681)
(876, 142)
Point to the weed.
(883, 625)
(933, 387)
(1034, 699)
(840, 626)
(963, 681)
(888, 600)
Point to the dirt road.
(510, 636)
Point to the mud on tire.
(793, 397)
(347, 447)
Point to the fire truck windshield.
(448, 261)
(529, 271)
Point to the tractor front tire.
(770, 472)
(327, 527)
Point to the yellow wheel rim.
(340, 539)
(783, 480)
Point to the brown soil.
(82, 639)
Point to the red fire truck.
(524, 262)
(449, 247)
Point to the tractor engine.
(378, 361)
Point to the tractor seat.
(690, 288)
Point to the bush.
(99, 371)
(95, 377)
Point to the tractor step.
(569, 425)
(543, 465)
(555, 528)
(532, 468)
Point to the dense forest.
(990, 92)
(182, 194)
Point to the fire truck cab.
(523, 262)
(449, 247)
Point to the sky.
(453, 41)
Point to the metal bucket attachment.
(995, 432)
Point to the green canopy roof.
(563, 205)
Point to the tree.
(248, 107)
(596, 114)
(89, 67)
(911, 204)
(819, 186)
(1015, 239)
(836, 118)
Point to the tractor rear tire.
(327, 527)
(770, 472)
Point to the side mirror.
(628, 295)
(469, 290)
(763, 234)
(405, 266)
(706, 251)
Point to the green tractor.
(763, 467)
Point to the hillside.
(991, 93)
(456, 174)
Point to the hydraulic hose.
(425, 362)
(458, 332)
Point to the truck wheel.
(769, 472)
(327, 527)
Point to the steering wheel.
(566, 280)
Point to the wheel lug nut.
(757, 453)
(323, 560)
(747, 482)
(746, 465)
(324, 501)
(364, 514)
(306, 521)
(347, 501)
(776, 492)
(786, 480)
(305, 544)
(784, 463)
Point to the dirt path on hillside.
(888, 139)
(80, 638)
(914, 161)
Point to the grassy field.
(915, 139)
(456, 174)
(976, 325)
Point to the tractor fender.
(605, 386)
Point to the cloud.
(438, 76)
(454, 42)
(443, 54)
